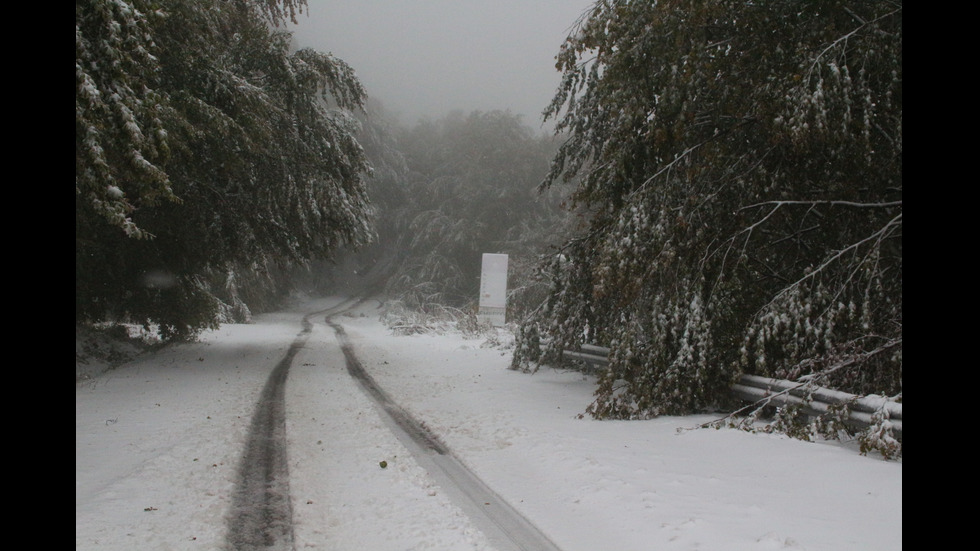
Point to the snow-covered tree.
(120, 139)
(471, 189)
(253, 144)
(742, 162)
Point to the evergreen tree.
(742, 164)
(253, 145)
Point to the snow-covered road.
(503, 525)
(158, 443)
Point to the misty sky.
(425, 58)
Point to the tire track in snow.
(261, 512)
(503, 525)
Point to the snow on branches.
(743, 167)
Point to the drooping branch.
(875, 237)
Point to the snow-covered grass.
(158, 441)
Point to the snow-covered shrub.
(405, 318)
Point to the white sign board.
(493, 289)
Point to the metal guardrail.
(779, 392)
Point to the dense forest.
(722, 194)
(466, 184)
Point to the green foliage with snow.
(743, 165)
(120, 138)
(199, 130)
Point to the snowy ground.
(158, 440)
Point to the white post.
(493, 289)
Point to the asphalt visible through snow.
(261, 510)
(261, 515)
